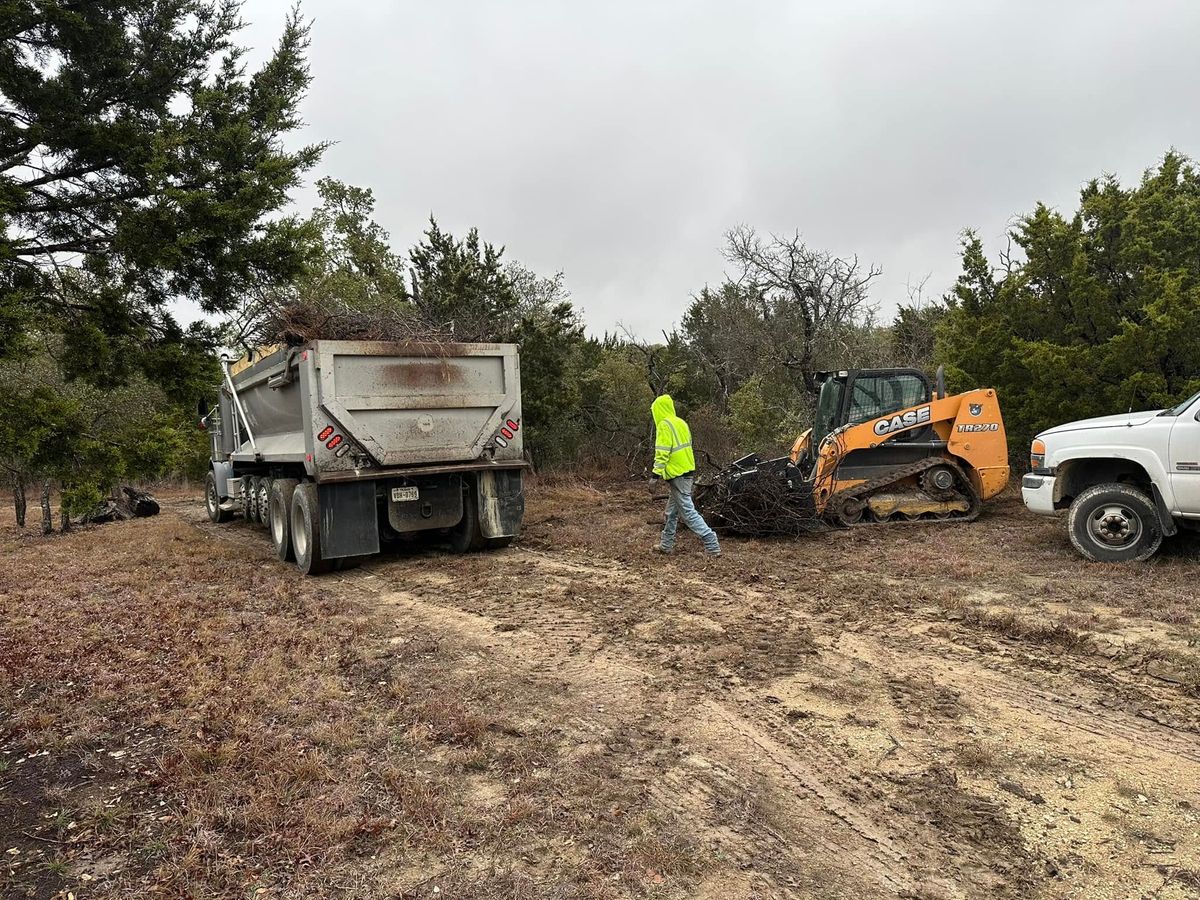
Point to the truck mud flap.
(501, 503)
(1165, 520)
(349, 522)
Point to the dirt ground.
(921, 711)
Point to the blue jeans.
(679, 505)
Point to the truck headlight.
(1037, 455)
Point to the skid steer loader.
(886, 445)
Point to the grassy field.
(911, 711)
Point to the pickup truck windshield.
(1178, 410)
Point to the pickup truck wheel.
(1114, 523)
(212, 500)
(282, 490)
(306, 530)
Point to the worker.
(675, 464)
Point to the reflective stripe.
(662, 446)
(674, 434)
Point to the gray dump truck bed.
(370, 425)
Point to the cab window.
(829, 404)
(881, 395)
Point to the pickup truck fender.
(1139, 457)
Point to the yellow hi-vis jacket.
(672, 441)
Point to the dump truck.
(338, 447)
(887, 445)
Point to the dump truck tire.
(282, 490)
(1114, 523)
(465, 537)
(306, 530)
(264, 501)
(212, 500)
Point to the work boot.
(712, 554)
(659, 548)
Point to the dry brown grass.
(207, 723)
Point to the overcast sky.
(618, 141)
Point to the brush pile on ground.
(756, 498)
(129, 503)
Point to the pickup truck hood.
(1118, 421)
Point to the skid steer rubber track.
(847, 508)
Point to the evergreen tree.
(462, 284)
(138, 164)
(1097, 313)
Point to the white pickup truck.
(1124, 481)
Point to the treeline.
(141, 163)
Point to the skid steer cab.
(886, 445)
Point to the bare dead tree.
(810, 295)
(658, 372)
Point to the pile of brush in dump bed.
(300, 322)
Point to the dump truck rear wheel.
(280, 517)
(465, 537)
(264, 501)
(246, 496)
(212, 500)
(1114, 523)
(306, 530)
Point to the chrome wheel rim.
(1115, 525)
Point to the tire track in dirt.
(1123, 736)
(810, 811)
(619, 691)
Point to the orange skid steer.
(886, 445)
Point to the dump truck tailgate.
(420, 403)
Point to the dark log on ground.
(132, 504)
(140, 503)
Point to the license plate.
(402, 494)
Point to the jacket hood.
(662, 407)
